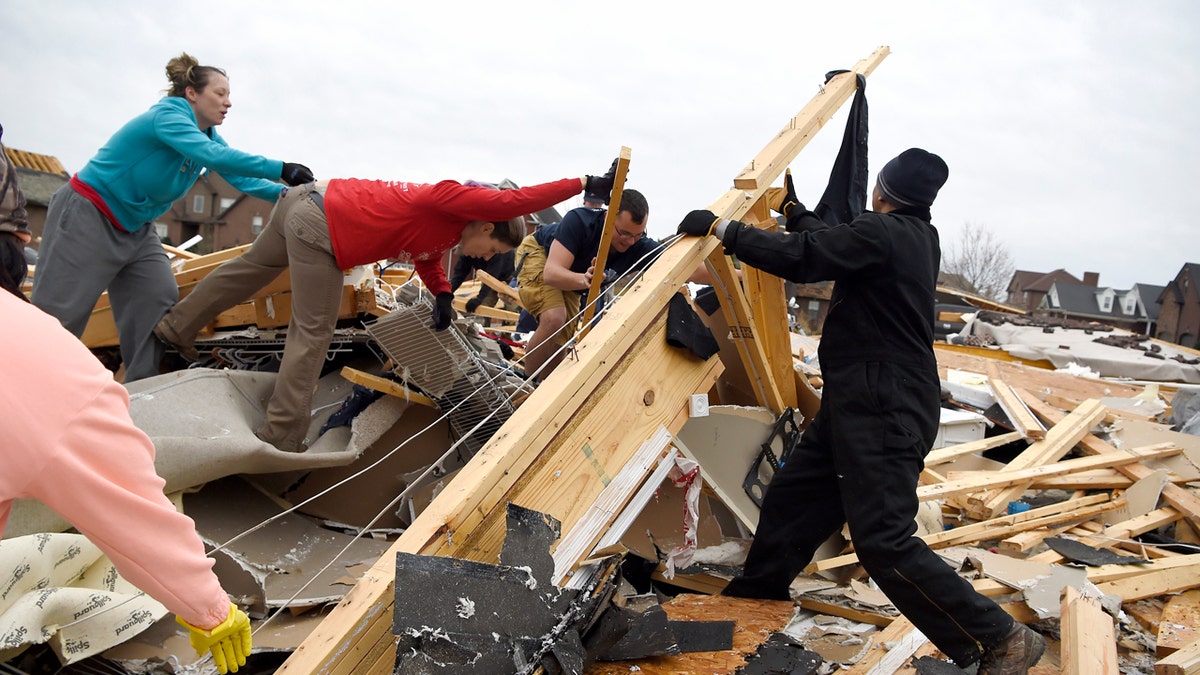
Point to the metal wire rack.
(448, 369)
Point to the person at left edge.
(318, 230)
(100, 232)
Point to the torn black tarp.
(461, 616)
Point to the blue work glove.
(229, 642)
(443, 311)
(296, 174)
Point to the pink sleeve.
(74, 447)
(103, 481)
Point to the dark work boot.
(167, 335)
(1015, 654)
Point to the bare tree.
(982, 260)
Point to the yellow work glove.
(229, 642)
(783, 200)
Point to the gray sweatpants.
(82, 255)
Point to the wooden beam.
(749, 187)
(769, 164)
(1011, 404)
(389, 387)
(942, 455)
(1089, 642)
(814, 605)
(1186, 661)
(512, 294)
(606, 235)
(990, 479)
(1149, 584)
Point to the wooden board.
(1089, 643)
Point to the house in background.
(1135, 310)
(221, 214)
(1179, 318)
(809, 305)
(1026, 289)
(39, 177)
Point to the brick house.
(1027, 289)
(39, 177)
(1135, 310)
(1179, 316)
(220, 213)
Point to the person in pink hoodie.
(69, 442)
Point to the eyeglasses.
(629, 235)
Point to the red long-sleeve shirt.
(370, 220)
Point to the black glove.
(473, 304)
(698, 223)
(443, 311)
(296, 174)
(602, 186)
(790, 200)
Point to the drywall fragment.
(283, 563)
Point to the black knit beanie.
(913, 178)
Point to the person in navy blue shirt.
(555, 266)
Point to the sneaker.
(1015, 654)
(167, 335)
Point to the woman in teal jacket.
(100, 232)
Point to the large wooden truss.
(584, 423)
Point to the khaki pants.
(539, 297)
(296, 238)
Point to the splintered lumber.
(1055, 444)
(1072, 510)
(389, 387)
(1175, 495)
(890, 649)
(1012, 405)
(1124, 530)
(990, 479)
(1186, 661)
(1089, 642)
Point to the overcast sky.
(1071, 128)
